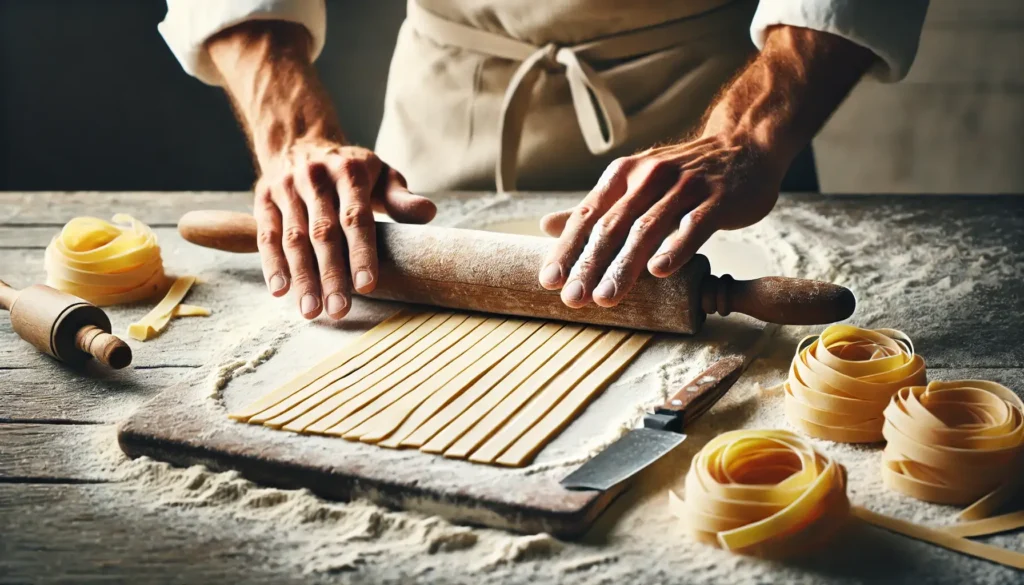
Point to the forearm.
(781, 100)
(273, 86)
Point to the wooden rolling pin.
(497, 273)
(64, 326)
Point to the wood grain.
(56, 393)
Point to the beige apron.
(543, 94)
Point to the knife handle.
(697, 397)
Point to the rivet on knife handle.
(697, 397)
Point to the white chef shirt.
(889, 28)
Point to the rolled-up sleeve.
(889, 28)
(189, 23)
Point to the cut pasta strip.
(333, 363)
(561, 414)
(942, 538)
(458, 385)
(767, 493)
(485, 416)
(507, 431)
(437, 368)
(452, 378)
(959, 442)
(105, 263)
(840, 383)
(157, 319)
(379, 355)
(416, 413)
(434, 435)
(328, 400)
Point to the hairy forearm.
(273, 86)
(781, 100)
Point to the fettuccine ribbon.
(840, 383)
(106, 263)
(115, 263)
(763, 492)
(959, 442)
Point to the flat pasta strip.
(452, 384)
(157, 319)
(464, 420)
(330, 364)
(529, 443)
(415, 414)
(959, 442)
(312, 408)
(840, 383)
(365, 364)
(442, 367)
(762, 492)
(547, 397)
(352, 399)
(106, 263)
(440, 420)
(385, 422)
(512, 397)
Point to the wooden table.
(52, 530)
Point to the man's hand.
(312, 202)
(654, 210)
(316, 195)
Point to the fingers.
(651, 181)
(679, 248)
(268, 241)
(298, 251)
(354, 180)
(578, 227)
(317, 190)
(391, 195)
(553, 224)
(645, 236)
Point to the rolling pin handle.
(229, 231)
(108, 349)
(7, 295)
(776, 299)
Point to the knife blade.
(662, 431)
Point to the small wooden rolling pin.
(64, 326)
(497, 273)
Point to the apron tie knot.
(599, 114)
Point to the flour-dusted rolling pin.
(497, 273)
(64, 326)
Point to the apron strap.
(601, 118)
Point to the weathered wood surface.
(78, 534)
(54, 531)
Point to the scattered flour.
(636, 540)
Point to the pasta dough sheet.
(488, 389)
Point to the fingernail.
(606, 289)
(363, 279)
(336, 304)
(551, 274)
(277, 282)
(573, 291)
(662, 262)
(308, 304)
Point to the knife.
(662, 430)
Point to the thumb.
(680, 246)
(392, 196)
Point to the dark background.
(91, 98)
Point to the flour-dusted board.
(187, 424)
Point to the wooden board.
(185, 427)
